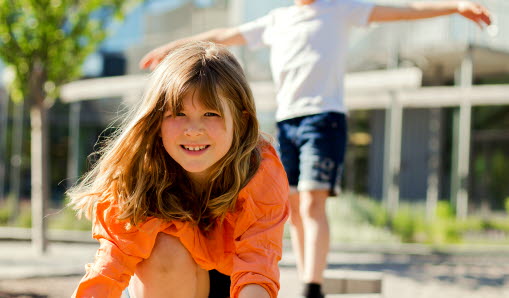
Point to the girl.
(187, 196)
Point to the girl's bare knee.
(169, 269)
(169, 255)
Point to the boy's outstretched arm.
(423, 10)
(225, 36)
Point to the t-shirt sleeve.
(255, 32)
(121, 249)
(355, 12)
(258, 233)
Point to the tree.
(45, 42)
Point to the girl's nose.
(193, 130)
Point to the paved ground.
(412, 272)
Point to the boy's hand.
(474, 12)
(154, 57)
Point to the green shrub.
(403, 225)
(6, 209)
(444, 210)
(5, 213)
(65, 219)
(501, 224)
(408, 222)
(471, 224)
(370, 211)
(379, 215)
(24, 219)
(444, 228)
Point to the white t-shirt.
(308, 50)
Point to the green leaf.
(58, 34)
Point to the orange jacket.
(247, 246)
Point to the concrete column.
(433, 163)
(392, 154)
(461, 152)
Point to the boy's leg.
(289, 153)
(322, 140)
(169, 269)
(312, 150)
(310, 244)
(316, 234)
(297, 232)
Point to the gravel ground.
(54, 287)
(421, 277)
(404, 276)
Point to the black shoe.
(313, 290)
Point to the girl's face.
(197, 137)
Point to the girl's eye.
(212, 114)
(180, 114)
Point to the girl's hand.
(474, 12)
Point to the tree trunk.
(39, 161)
(39, 158)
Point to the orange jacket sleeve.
(121, 249)
(259, 229)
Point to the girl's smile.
(195, 150)
(197, 137)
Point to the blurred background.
(424, 196)
(428, 152)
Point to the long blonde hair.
(134, 170)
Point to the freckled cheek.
(168, 132)
(220, 131)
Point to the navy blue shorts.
(219, 285)
(312, 149)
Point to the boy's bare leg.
(297, 232)
(316, 234)
(169, 269)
